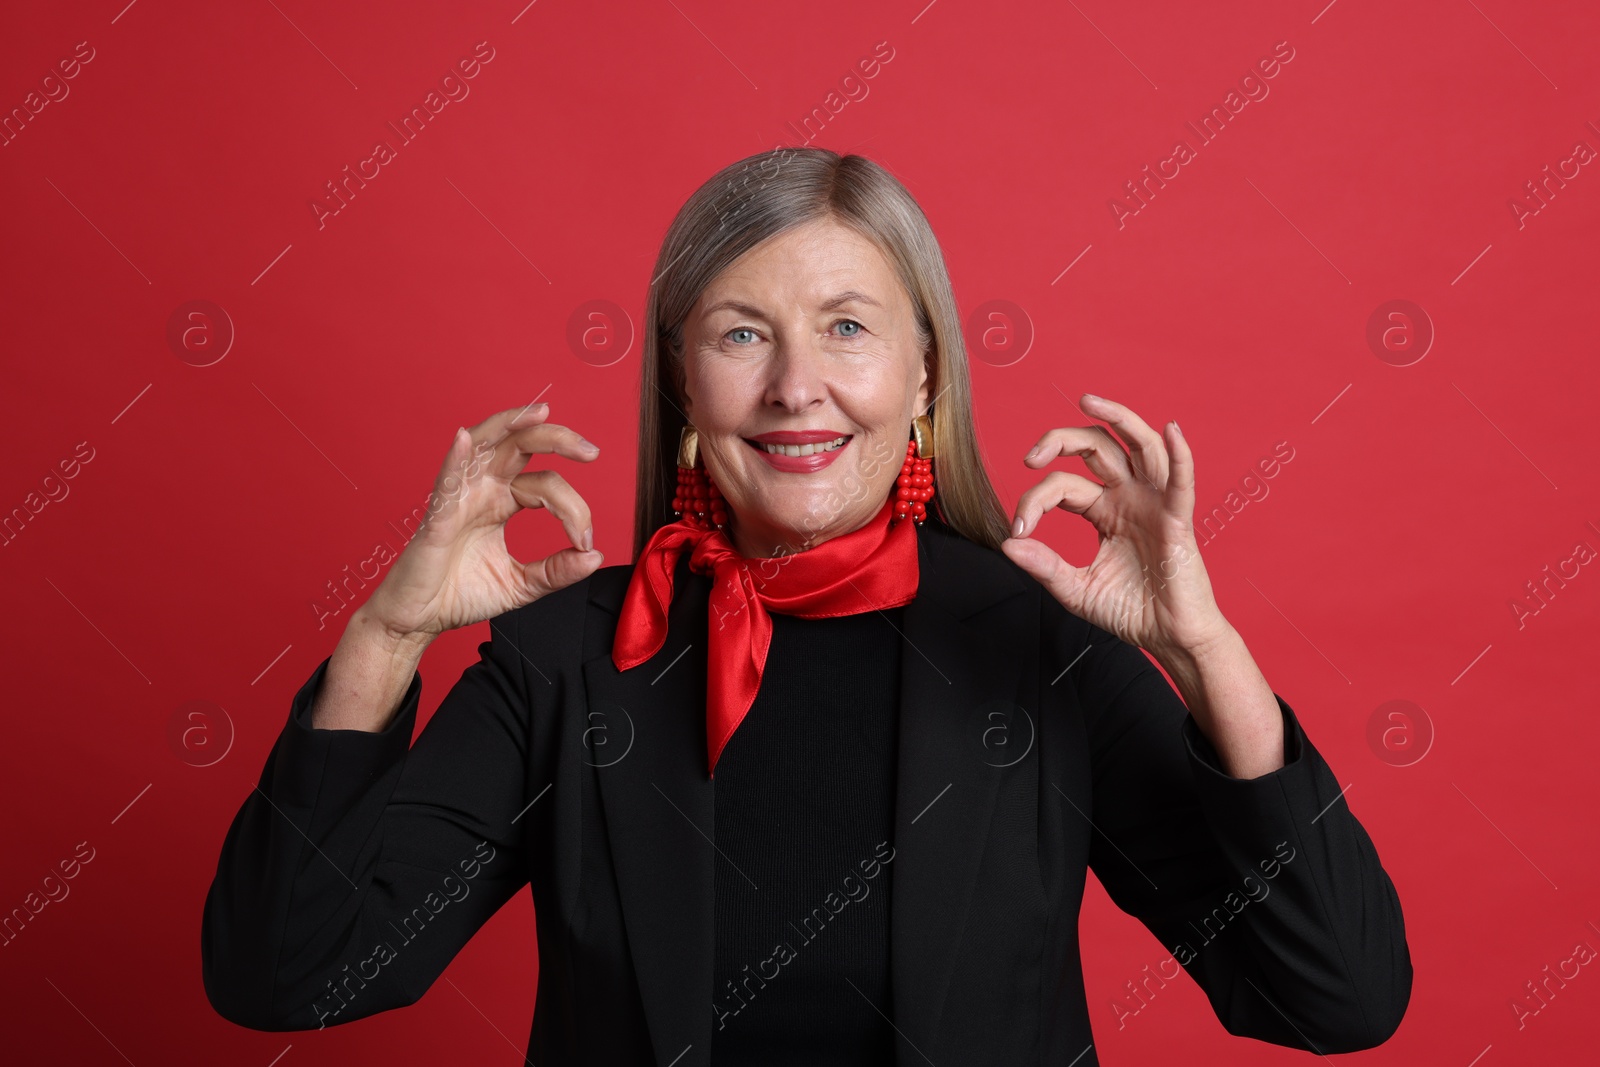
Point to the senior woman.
(818, 777)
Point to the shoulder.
(966, 574)
(574, 623)
(973, 577)
(943, 549)
(1010, 607)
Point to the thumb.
(1049, 569)
(559, 570)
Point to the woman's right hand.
(456, 569)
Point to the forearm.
(368, 674)
(1231, 702)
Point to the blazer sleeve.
(361, 863)
(1267, 890)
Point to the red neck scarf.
(868, 569)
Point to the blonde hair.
(752, 200)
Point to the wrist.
(368, 676)
(1220, 643)
(375, 633)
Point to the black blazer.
(1032, 746)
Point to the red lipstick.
(798, 464)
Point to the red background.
(1381, 563)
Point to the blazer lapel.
(658, 812)
(658, 802)
(958, 680)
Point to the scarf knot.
(867, 569)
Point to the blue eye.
(852, 322)
(740, 329)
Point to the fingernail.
(587, 445)
(1176, 428)
(1034, 451)
(588, 539)
(1016, 527)
(1091, 398)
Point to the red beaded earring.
(697, 499)
(914, 486)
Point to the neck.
(775, 541)
(786, 544)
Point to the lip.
(797, 437)
(798, 464)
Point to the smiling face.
(809, 339)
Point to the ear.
(923, 387)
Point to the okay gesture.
(1147, 584)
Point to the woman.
(818, 778)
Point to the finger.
(553, 437)
(1071, 492)
(1180, 485)
(547, 489)
(494, 429)
(1064, 581)
(472, 451)
(1148, 451)
(519, 443)
(1101, 452)
(559, 570)
(455, 474)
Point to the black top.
(804, 812)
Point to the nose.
(797, 379)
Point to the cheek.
(883, 449)
(723, 397)
(886, 398)
(877, 465)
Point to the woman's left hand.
(1147, 584)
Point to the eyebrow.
(846, 297)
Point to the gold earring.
(922, 434)
(914, 486)
(688, 447)
(697, 497)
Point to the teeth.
(803, 450)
